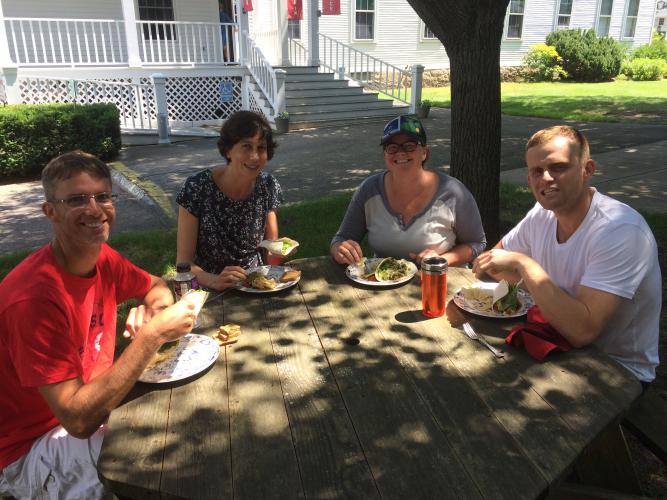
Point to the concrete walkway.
(313, 163)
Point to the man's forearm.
(159, 296)
(81, 408)
(567, 314)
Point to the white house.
(93, 50)
(390, 30)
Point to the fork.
(470, 332)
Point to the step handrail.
(364, 68)
(264, 74)
(298, 53)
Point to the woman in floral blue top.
(225, 212)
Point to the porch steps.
(314, 99)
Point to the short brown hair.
(242, 125)
(572, 134)
(68, 165)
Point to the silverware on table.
(470, 332)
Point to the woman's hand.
(427, 252)
(347, 252)
(229, 277)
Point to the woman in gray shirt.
(408, 211)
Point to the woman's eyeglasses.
(81, 200)
(408, 147)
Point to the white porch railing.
(176, 42)
(65, 42)
(100, 42)
(266, 77)
(298, 53)
(369, 71)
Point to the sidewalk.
(313, 163)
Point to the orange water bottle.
(434, 286)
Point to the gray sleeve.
(469, 229)
(353, 226)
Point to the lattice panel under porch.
(196, 99)
(125, 97)
(252, 102)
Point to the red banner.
(247, 5)
(295, 10)
(330, 7)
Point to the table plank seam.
(338, 388)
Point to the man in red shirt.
(57, 338)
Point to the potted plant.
(424, 108)
(282, 122)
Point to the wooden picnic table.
(340, 390)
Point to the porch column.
(283, 54)
(8, 69)
(5, 57)
(131, 38)
(313, 33)
(244, 30)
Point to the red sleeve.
(131, 281)
(40, 343)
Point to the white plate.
(194, 353)
(271, 272)
(353, 273)
(472, 306)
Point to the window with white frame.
(564, 14)
(294, 29)
(427, 34)
(631, 19)
(364, 19)
(515, 19)
(604, 18)
(157, 10)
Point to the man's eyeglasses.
(408, 147)
(81, 200)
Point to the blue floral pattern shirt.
(229, 230)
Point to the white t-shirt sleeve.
(619, 260)
(519, 237)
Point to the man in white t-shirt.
(589, 261)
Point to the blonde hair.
(570, 133)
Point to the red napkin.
(537, 336)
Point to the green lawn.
(312, 223)
(618, 101)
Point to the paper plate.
(194, 353)
(352, 272)
(473, 306)
(271, 272)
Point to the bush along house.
(170, 64)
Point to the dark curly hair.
(241, 125)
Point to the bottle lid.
(435, 264)
(183, 267)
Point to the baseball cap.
(404, 124)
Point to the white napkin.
(196, 297)
(276, 247)
(501, 289)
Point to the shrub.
(657, 49)
(30, 135)
(587, 58)
(644, 69)
(544, 62)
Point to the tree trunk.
(471, 33)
